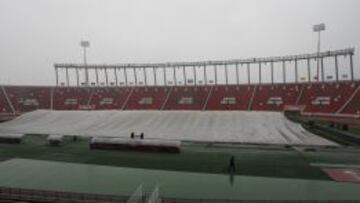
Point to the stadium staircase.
(167, 98)
(207, 98)
(127, 98)
(5, 103)
(352, 105)
(252, 99)
(300, 95)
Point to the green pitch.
(251, 160)
(86, 178)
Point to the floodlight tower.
(84, 45)
(319, 28)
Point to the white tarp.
(213, 126)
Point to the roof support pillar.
(272, 72)
(296, 71)
(260, 73)
(67, 76)
(184, 75)
(77, 77)
(205, 77)
(226, 74)
(216, 78)
(145, 77)
(248, 72)
(322, 69)
(97, 76)
(125, 77)
(284, 71)
(154, 72)
(336, 69)
(174, 76)
(351, 67)
(116, 77)
(237, 73)
(57, 76)
(194, 70)
(106, 77)
(164, 70)
(309, 70)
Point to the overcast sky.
(35, 34)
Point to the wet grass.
(271, 161)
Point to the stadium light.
(85, 44)
(319, 28)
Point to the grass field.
(253, 160)
(96, 179)
(355, 131)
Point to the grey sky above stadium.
(35, 34)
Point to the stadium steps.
(300, 95)
(90, 97)
(349, 100)
(252, 98)
(167, 98)
(127, 98)
(8, 99)
(208, 98)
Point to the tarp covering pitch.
(208, 126)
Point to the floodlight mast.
(319, 28)
(84, 45)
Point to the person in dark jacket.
(232, 166)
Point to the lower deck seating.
(275, 97)
(25, 99)
(230, 98)
(70, 98)
(329, 97)
(187, 98)
(108, 98)
(4, 105)
(326, 97)
(353, 107)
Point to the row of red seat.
(316, 97)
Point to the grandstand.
(335, 96)
(198, 122)
(327, 97)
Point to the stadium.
(260, 129)
(308, 128)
